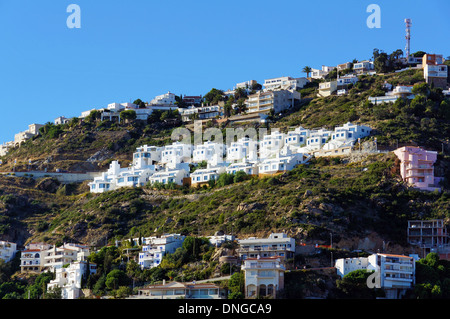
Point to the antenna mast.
(408, 37)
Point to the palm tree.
(307, 70)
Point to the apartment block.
(57, 257)
(277, 244)
(417, 167)
(32, 257)
(265, 101)
(428, 234)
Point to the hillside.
(352, 198)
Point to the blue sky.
(133, 49)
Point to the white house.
(170, 175)
(147, 155)
(344, 81)
(285, 83)
(316, 140)
(362, 67)
(7, 250)
(202, 176)
(347, 265)
(400, 91)
(250, 168)
(164, 99)
(394, 273)
(176, 152)
(201, 113)
(295, 139)
(61, 120)
(69, 278)
(5, 147)
(280, 164)
(207, 150)
(218, 240)
(244, 148)
(264, 276)
(156, 247)
(271, 145)
(321, 73)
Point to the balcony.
(259, 248)
(249, 266)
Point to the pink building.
(416, 167)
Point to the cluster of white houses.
(275, 153)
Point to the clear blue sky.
(133, 49)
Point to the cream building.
(264, 276)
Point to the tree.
(139, 103)
(54, 293)
(228, 106)
(214, 96)
(240, 93)
(241, 107)
(93, 116)
(381, 62)
(195, 246)
(115, 279)
(421, 89)
(418, 54)
(236, 284)
(307, 70)
(128, 115)
(354, 285)
(240, 176)
(225, 179)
